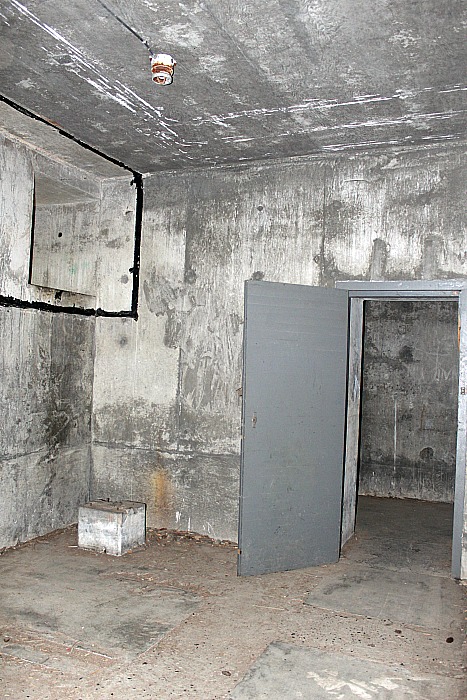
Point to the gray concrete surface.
(409, 400)
(45, 405)
(254, 80)
(73, 235)
(419, 599)
(283, 671)
(84, 248)
(173, 620)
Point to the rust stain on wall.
(162, 495)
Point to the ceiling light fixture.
(162, 64)
(162, 68)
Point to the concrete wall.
(409, 400)
(84, 231)
(47, 358)
(65, 234)
(166, 407)
(45, 404)
(17, 167)
(84, 235)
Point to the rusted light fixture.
(162, 68)
(162, 64)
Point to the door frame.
(404, 290)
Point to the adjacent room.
(233, 317)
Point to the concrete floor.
(174, 621)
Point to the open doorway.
(423, 466)
(297, 507)
(408, 430)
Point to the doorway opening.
(405, 440)
(302, 372)
(408, 429)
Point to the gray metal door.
(294, 395)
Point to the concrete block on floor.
(114, 527)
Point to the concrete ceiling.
(254, 80)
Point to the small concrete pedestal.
(113, 527)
